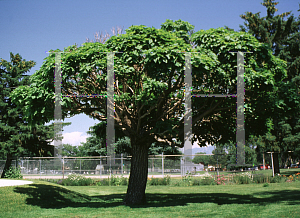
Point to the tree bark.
(7, 164)
(138, 174)
(276, 163)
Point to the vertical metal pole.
(57, 108)
(63, 170)
(40, 167)
(188, 109)
(272, 164)
(240, 134)
(122, 163)
(218, 165)
(162, 164)
(80, 165)
(152, 165)
(110, 109)
(100, 167)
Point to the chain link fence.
(101, 166)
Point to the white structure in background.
(190, 167)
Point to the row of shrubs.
(188, 180)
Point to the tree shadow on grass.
(57, 197)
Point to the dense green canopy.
(149, 87)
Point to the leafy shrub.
(260, 179)
(208, 181)
(13, 173)
(104, 182)
(176, 182)
(116, 181)
(241, 180)
(220, 180)
(112, 181)
(277, 179)
(159, 181)
(187, 180)
(266, 185)
(77, 180)
(197, 181)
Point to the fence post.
(63, 171)
(122, 163)
(40, 167)
(162, 164)
(100, 167)
(27, 167)
(80, 165)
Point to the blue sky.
(33, 27)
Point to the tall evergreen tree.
(283, 37)
(17, 139)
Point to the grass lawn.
(43, 199)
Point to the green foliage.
(17, 137)
(220, 157)
(261, 178)
(203, 158)
(113, 181)
(159, 181)
(207, 181)
(266, 185)
(277, 179)
(282, 36)
(188, 180)
(163, 65)
(77, 180)
(13, 173)
(116, 181)
(221, 41)
(149, 78)
(244, 178)
(181, 28)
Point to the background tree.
(251, 154)
(16, 137)
(69, 150)
(205, 159)
(219, 157)
(149, 88)
(283, 37)
(97, 143)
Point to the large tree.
(149, 88)
(283, 36)
(17, 139)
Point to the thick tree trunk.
(7, 164)
(276, 163)
(138, 174)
